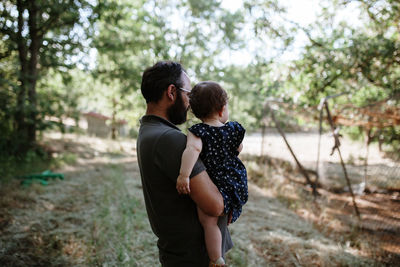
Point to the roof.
(103, 117)
(96, 115)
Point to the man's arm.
(206, 195)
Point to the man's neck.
(157, 110)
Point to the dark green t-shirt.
(173, 217)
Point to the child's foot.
(218, 263)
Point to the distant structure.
(100, 125)
(93, 123)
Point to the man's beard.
(177, 112)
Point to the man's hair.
(207, 98)
(156, 79)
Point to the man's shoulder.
(171, 138)
(162, 138)
(156, 128)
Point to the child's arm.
(240, 147)
(189, 158)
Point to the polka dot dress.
(220, 156)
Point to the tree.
(363, 62)
(129, 37)
(36, 36)
(133, 35)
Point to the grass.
(328, 214)
(97, 217)
(121, 233)
(33, 163)
(64, 159)
(237, 256)
(89, 219)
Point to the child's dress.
(220, 156)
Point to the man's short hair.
(156, 79)
(207, 98)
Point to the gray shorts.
(227, 243)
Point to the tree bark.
(33, 71)
(19, 124)
(114, 121)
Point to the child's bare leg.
(212, 235)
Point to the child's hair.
(207, 98)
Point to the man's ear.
(171, 91)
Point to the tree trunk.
(113, 121)
(367, 143)
(33, 71)
(262, 138)
(19, 124)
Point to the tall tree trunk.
(19, 124)
(33, 71)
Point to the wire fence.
(374, 176)
(381, 173)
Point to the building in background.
(100, 125)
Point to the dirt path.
(96, 216)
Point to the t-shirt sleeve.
(168, 155)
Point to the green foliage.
(34, 161)
(360, 61)
(124, 37)
(127, 37)
(135, 34)
(35, 36)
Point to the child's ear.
(221, 111)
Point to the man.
(173, 217)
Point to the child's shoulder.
(197, 126)
(198, 129)
(235, 125)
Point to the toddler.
(218, 143)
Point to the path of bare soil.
(59, 225)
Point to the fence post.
(302, 170)
(336, 146)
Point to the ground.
(96, 216)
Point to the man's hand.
(229, 218)
(182, 184)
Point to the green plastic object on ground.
(42, 178)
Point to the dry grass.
(90, 218)
(273, 235)
(96, 216)
(332, 217)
